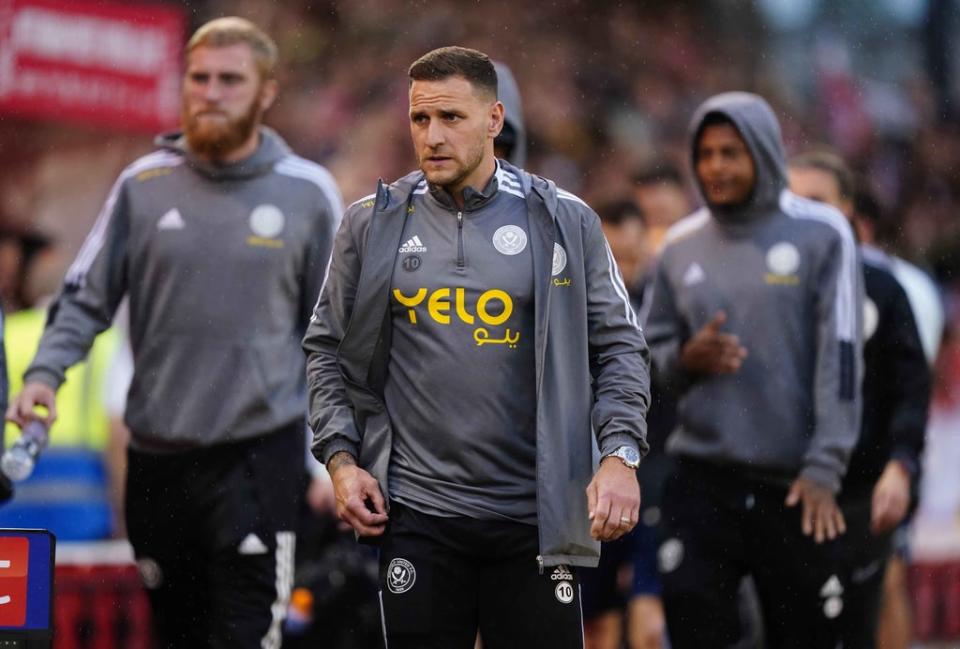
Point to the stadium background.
(607, 87)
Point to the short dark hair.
(619, 211)
(827, 161)
(445, 62)
(660, 171)
(713, 118)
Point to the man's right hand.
(360, 503)
(710, 351)
(22, 407)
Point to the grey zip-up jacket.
(785, 271)
(592, 367)
(222, 266)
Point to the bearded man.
(219, 241)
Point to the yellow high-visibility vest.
(82, 419)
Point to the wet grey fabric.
(222, 266)
(460, 385)
(591, 365)
(786, 272)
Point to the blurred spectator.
(660, 192)
(874, 230)
(884, 469)
(624, 226)
(71, 491)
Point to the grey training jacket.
(785, 271)
(222, 266)
(592, 367)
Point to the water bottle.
(18, 460)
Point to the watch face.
(631, 456)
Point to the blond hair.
(231, 30)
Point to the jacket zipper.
(460, 262)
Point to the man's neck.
(478, 180)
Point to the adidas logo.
(694, 275)
(831, 588)
(171, 221)
(562, 573)
(413, 245)
(251, 544)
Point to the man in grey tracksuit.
(472, 349)
(219, 241)
(755, 324)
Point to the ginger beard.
(215, 138)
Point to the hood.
(271, 149)
(509, 94)
(759, 128)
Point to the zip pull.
(460, 260)
(540, 564)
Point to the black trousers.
(718, 527)
(863, 564)
(443, 579)
(212, 531)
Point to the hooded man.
(219, 241)
(511, 144)
(755, 323)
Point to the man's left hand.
(891, 498)
(613, 500)
(820, 515)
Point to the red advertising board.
(91, 62)
(14, 553)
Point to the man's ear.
(268, 94)
(496, 119)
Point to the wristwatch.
(628, 455)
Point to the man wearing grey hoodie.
(219, 241)
(755, 324)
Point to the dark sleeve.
(92, 290)
(910, 383)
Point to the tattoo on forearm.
(338, 460)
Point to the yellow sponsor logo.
(153, 173)
(439, 305)
(263, 242)
(482, 337)
(492, 309)
(781, 280)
